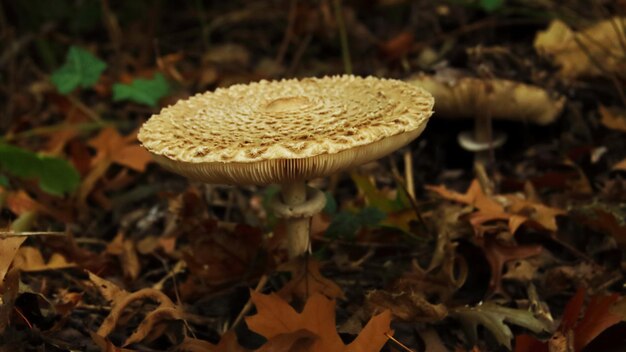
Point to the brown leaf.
(498, 255)
(594, 51)
(517, 211)
(8, 250)
(163, 311)
(146, 329)
(275, 317)
(620, 165)
(228, 343)
(111, 147)
(410, 306)
(31, 259)
(613, 118)
(307, 280)
(110, 291)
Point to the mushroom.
(287, 132)
(486, 99)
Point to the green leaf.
(331, 205)
(4, 181)
(81, 68)
(143, 91)
(491, 5)
(492, 317)
(345, 225)
(56, 176)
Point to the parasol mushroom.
(486, 99)
(287, 132)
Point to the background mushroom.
(486, 99)
(286, 132)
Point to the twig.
(282, 50)
(9, 234)
(246, 308)
(403, 346)
(343, 37)
(84, 108)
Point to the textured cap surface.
(281, 131)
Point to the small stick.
(404, 347)
(343, 37)
(248, 305)
(8, 234)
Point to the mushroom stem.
(482, 134)
(297, 228)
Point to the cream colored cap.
(289, 130)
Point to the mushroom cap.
(284, 131)
(465, 97)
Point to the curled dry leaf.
(410, 306)
(149, 328)
(594, 51)
(307, 280)
(467, 97)
(275, 317)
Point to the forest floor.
(433, 248)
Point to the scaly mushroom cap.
(283, 131)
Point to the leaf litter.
(101, 251)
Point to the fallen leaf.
(228, 343)
(510, 208)
(307, 280)
(8, 250)
(613, 118)
(593, 51)
(620, 166)
(147, 330)
(275, 317)
(30, 259)
(498, 254)
(409, 306)
(598, 316)
(493, 318)
(111, 148)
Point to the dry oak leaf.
(511, 208)
(276, 318)
(306, 280)
(111, 147)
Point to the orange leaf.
(276, 317)
(306, 280)
(613, 118)
(474, 196)
(620, 165)
(110, 145)
(597, 318)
